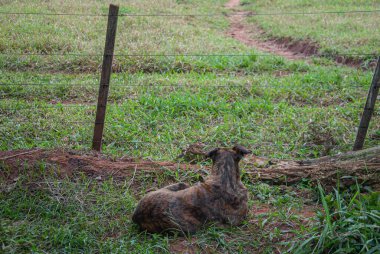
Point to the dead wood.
(363, 166)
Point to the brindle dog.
(222, 197)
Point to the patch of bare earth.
(240, 31)
(183, 245)
(285, 47)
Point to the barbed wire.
(110, 105)
(49, 84)
(56, 106)
(178, 55)
(180, 85)
(62, 104)
(92, 121)
(55, 121)
(183, 143)
(126, 99)
(194, 14)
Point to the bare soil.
(286, 47)
(240, 31)
(183, 245)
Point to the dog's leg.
(177, 187)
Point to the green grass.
(158, 105)
(44, 213)
(135, 35)
(350, 224)
(336, 34)
(304, 114)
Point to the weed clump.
(350, 224)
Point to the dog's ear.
(212, 153)
(241, 150)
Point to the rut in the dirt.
(241, 32)
(285, 47)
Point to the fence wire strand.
(55, 121)
(178, 143)
(194, 14)
(55, 106)
(62, 106)
(183, 85)
(176, 55)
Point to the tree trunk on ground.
(363, 165)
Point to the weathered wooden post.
(368, 108)
(105, 77)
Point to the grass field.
(303, 114)
(160, 104)
(336, 34)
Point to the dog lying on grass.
(222, 197)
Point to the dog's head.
(226, 163)
(237, 153)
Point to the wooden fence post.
(368, 108)
(105, 77)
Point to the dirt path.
(285, 47)
(240, 31)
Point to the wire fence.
(179, 144)
(186, 85)
(194, 14)
(175, 55)
(85, 140)
(61, 106)
(174, 148)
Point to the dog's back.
(172, 210)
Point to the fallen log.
(347, 168)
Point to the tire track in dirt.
(285, 47)
(241, 32)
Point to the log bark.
(347, 168)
